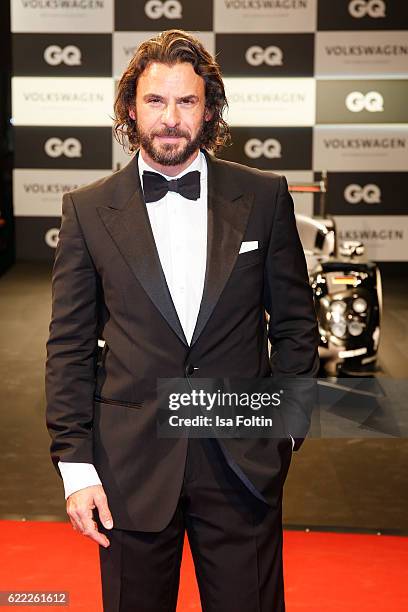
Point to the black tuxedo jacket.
(108, 283)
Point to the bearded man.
(173, 262)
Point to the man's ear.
(132, 114)
(208, 114)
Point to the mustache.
(172, 132)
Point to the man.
(173, 261)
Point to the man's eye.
(187, 101)
(154, 100)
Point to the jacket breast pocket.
(250, 258)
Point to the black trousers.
(235, 540)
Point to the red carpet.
(324, 572)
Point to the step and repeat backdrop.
(312, 86)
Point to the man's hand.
(79, 509)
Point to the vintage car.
(348, 298)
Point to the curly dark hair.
(171, 47)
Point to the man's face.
(170, 112)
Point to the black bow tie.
(155, 186)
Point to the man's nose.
(170, 115)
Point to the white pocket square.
(248, 246)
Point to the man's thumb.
(105, 515)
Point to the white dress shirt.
(179, 228)
(180, 232)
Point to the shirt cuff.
(293, 442)
(77, 476)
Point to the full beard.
(167, 153)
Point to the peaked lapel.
(228, 213)
(127, 221)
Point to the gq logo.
(69, 55)
(270, 148)
(370, 8)
(272, 56)
(171, 9)
(51, 237)
(371, 101)
(55, 147)
(370, 194)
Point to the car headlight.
(338, 307)
(359, 305)
(338, 328)
(355, 328)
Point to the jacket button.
(189, 369)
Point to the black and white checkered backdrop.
(312, 85)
